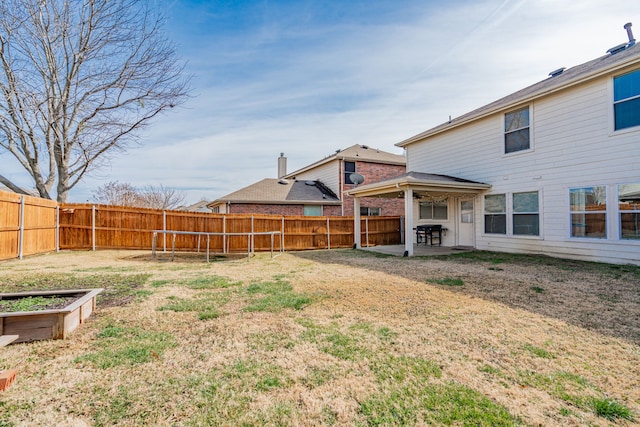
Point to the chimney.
(282, 166)
(627, 27)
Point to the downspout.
(341, 181)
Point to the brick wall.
(375, 172)
(293, 210)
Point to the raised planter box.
(48, 324)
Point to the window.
(588, 212)
(434, 210)
(526, 221)
(349, 168)
(370, 211)
(629, 205)
(626, 100)
(516, 130)
(312, 210)
(466, 211)
(495, 214)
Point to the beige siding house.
(553, 168)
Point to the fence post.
(57, 228)
(164, 228)
(21, 229)
(328, 235)
(282, 235)
(252, 242)
(366, 229)
(402, 229)
(224, 235)
(93, 227)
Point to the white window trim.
(448, 203)
(617, 227)
(531, 131)
(612, 116)
(607, 214)
(509, 213)
(506, 213)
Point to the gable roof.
(32, 193)
(419, 181)
(355, 153)
(573, 76)
(281, 191)
(200, 206)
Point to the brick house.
(319, 188)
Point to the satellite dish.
(356, 178)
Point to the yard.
(337, 337)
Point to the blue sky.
(308, 77)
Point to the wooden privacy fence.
(27, 225)
(86, 226)
(30, 225)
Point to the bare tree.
(124, 194)
(162, 197)
(78, 81)
(116, 193)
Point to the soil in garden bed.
(35, 303)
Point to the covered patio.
(414, 187)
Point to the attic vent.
(557, 72)
(632, 40)
(617, 49)
(310, 183)
(624, 46)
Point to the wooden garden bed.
(46, 324)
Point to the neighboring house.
(553, 168)
(200, 206)
(32, 193)
(280, 197)
(319, 189)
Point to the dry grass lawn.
(332, 338)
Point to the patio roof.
(421, 183)
(411, 186)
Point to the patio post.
(408, 223)
(356, 223)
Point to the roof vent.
(557, 72)
(623, 46)
(283, 181)
(617, 49)
(632, 41)
(310, 183)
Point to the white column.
(356, 222)
(408, 224)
